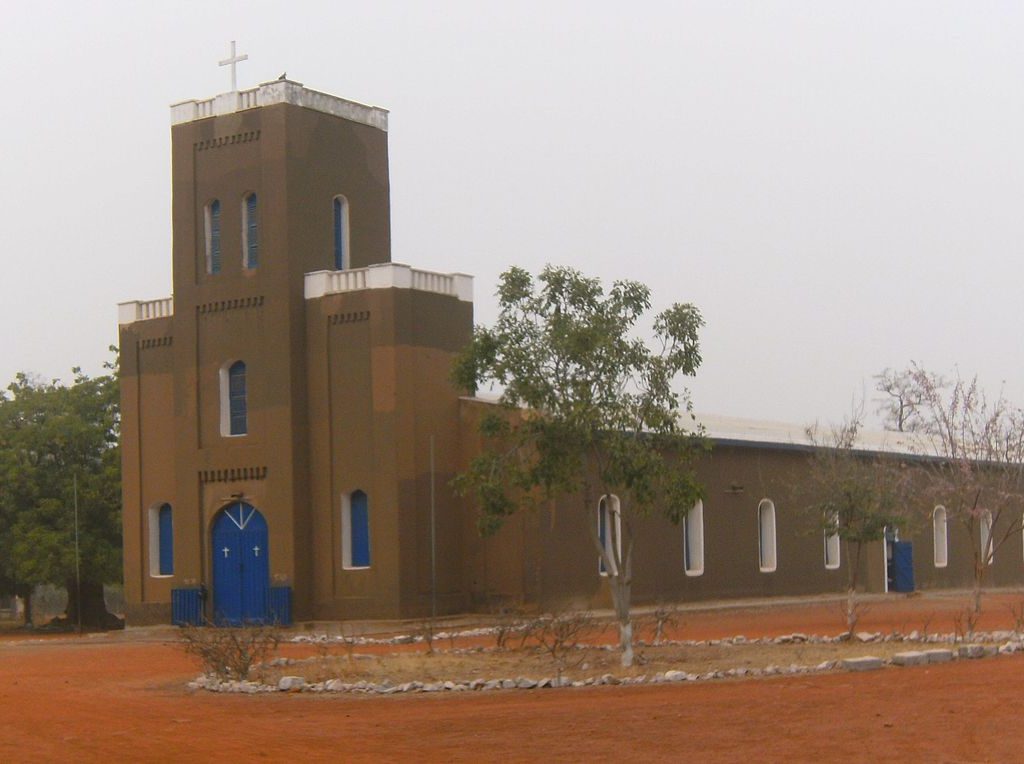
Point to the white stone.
(910, 658)
(971, 651)
(865, 663)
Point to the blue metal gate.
(241, 572)
(903, 566)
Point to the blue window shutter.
(166, 538)
(339, 234)
(215, 236)
(237, 404)
(252, 233)
(359, 524)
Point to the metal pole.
(78, 557)
(433, 538)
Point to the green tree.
(854, 496)
(56, 439)
(587, 410)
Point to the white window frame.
(208, 234)
(346, 250)
(693, 530)
(832, 548)
(609, 504)
(225, 399)
(767, 551)
(346, 535)
(154, 540)
(245, 231)
(988, 553)
(940, 536)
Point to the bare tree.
(900, 404)
(977, 467)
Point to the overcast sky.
(837, 185)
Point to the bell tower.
(294, 378)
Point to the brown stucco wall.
(546, 556)
(379, 362)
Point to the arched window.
(234, 406)
(832, 541)
(609, 532)
(985, 537)
(161, 540)
(250, 231)
(940, 537)
(342, 258)
(213, 237)
(355, 530)
(766, 535)
(693, 540)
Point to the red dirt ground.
(123, 697)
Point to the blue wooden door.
(240, 566)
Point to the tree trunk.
(25, 592)
(93, 607)
(620, 599)
(852, 576)
(979, 583)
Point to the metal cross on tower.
(233, 61)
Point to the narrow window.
(766, 535)
(355, 530)
(985, 527)
(940, 537)
(609, 532)
(161, 541)
(341, 254)
(234, 408)
(250, 231)
(693, 540)
(832, 542)
(213, 237)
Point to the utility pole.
(78, 557)
(433, 539)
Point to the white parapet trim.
(141, 310)
(279, 91)
(388, 276)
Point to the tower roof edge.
(275, 92)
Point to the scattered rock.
(291, 683)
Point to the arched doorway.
(241, 570)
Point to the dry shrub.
(508, 621)
(231, 653)
(560, 635)
(663, 618)
(965, 623)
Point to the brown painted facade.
(347, 390)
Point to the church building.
(289, 429)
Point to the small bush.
(231, 653)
